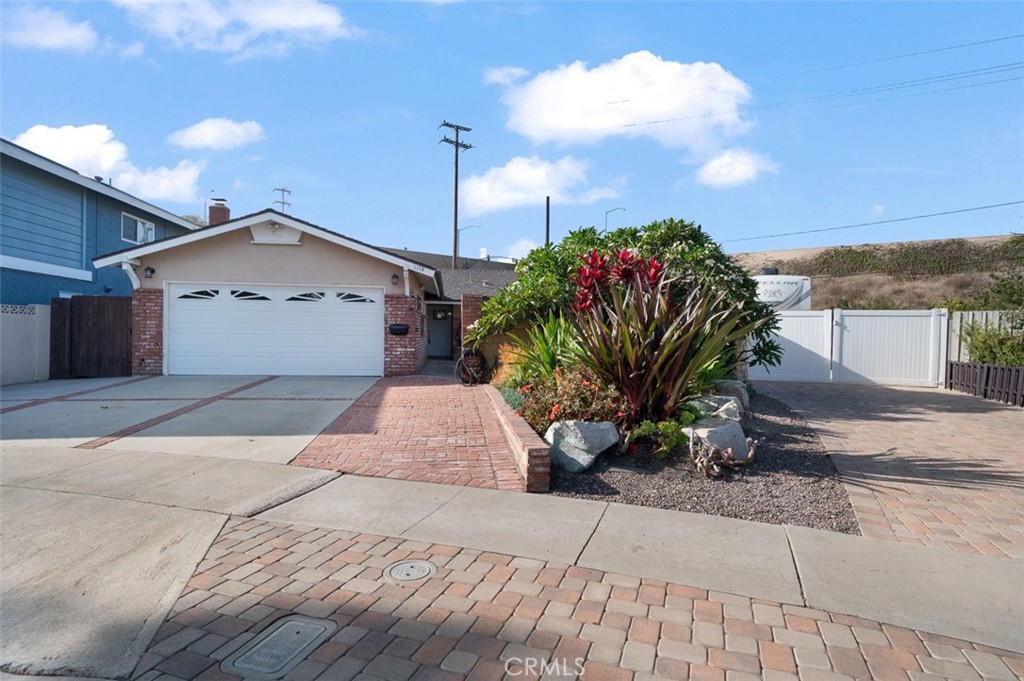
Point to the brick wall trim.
(404, 355)
(147, 332)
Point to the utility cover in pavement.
(280, 648)
(409, 570)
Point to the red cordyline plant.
(650, 347)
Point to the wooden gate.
(90, 337)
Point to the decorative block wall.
(404, 355)
(147, 332)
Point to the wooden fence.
(90, 336)
(956, 346)
(991, 381)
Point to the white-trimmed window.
(137, 230)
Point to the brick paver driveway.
(922, 466)
(418, 428)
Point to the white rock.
(722, 433)
(734, 388)
(575, 445)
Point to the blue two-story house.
(54, 221)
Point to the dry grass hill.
(899, 275)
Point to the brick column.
(471, 304)
(147, 332)
(404, 355)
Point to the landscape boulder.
(725, 406)
(736, 389)
(722, 433)
(575, 445)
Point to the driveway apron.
(922, 466)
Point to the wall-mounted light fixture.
(148, 272)
(394, 280)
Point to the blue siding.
(44, 218)
(29, 288)
(40, 216)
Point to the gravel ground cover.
(791, 480)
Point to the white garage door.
(280, 330)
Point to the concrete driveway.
(253, 418)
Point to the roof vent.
(769, 270)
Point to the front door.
(439, 331)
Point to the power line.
(879, 222)
(888, 87)
(836, 67)
(894, 57)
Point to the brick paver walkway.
(418, 428)
(481, 616)
(922, 466)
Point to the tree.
(194, 219)
(691, 257)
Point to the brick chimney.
(219, 212)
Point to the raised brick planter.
(532, 455)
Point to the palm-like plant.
(648, 346)
(547, 346)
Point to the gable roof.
(440, 261)
(272, 216)
(53, 168)
(475, 281)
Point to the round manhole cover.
(409, 570)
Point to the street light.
(606, 216)
(463, 229)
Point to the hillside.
(899, 275)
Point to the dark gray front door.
(439, 331)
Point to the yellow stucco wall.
(232, 258)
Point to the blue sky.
(752, 119)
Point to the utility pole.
(284, 203)
(458, 146)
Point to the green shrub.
(513, 397)
(667, 435)
(571, 393)
(547, 346)
(990, 345)
(544, 283)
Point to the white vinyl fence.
(903, 347)
(24, 343)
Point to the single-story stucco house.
(269, 293)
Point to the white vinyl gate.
(901, 347)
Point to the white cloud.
(133, 49)
(526, 181)
(93, 150)
(877, 210)
(217, 133)
(693, 106)
(504, 75)
(520, 248)
(241, 27)
(41, 28)
(734, 167)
